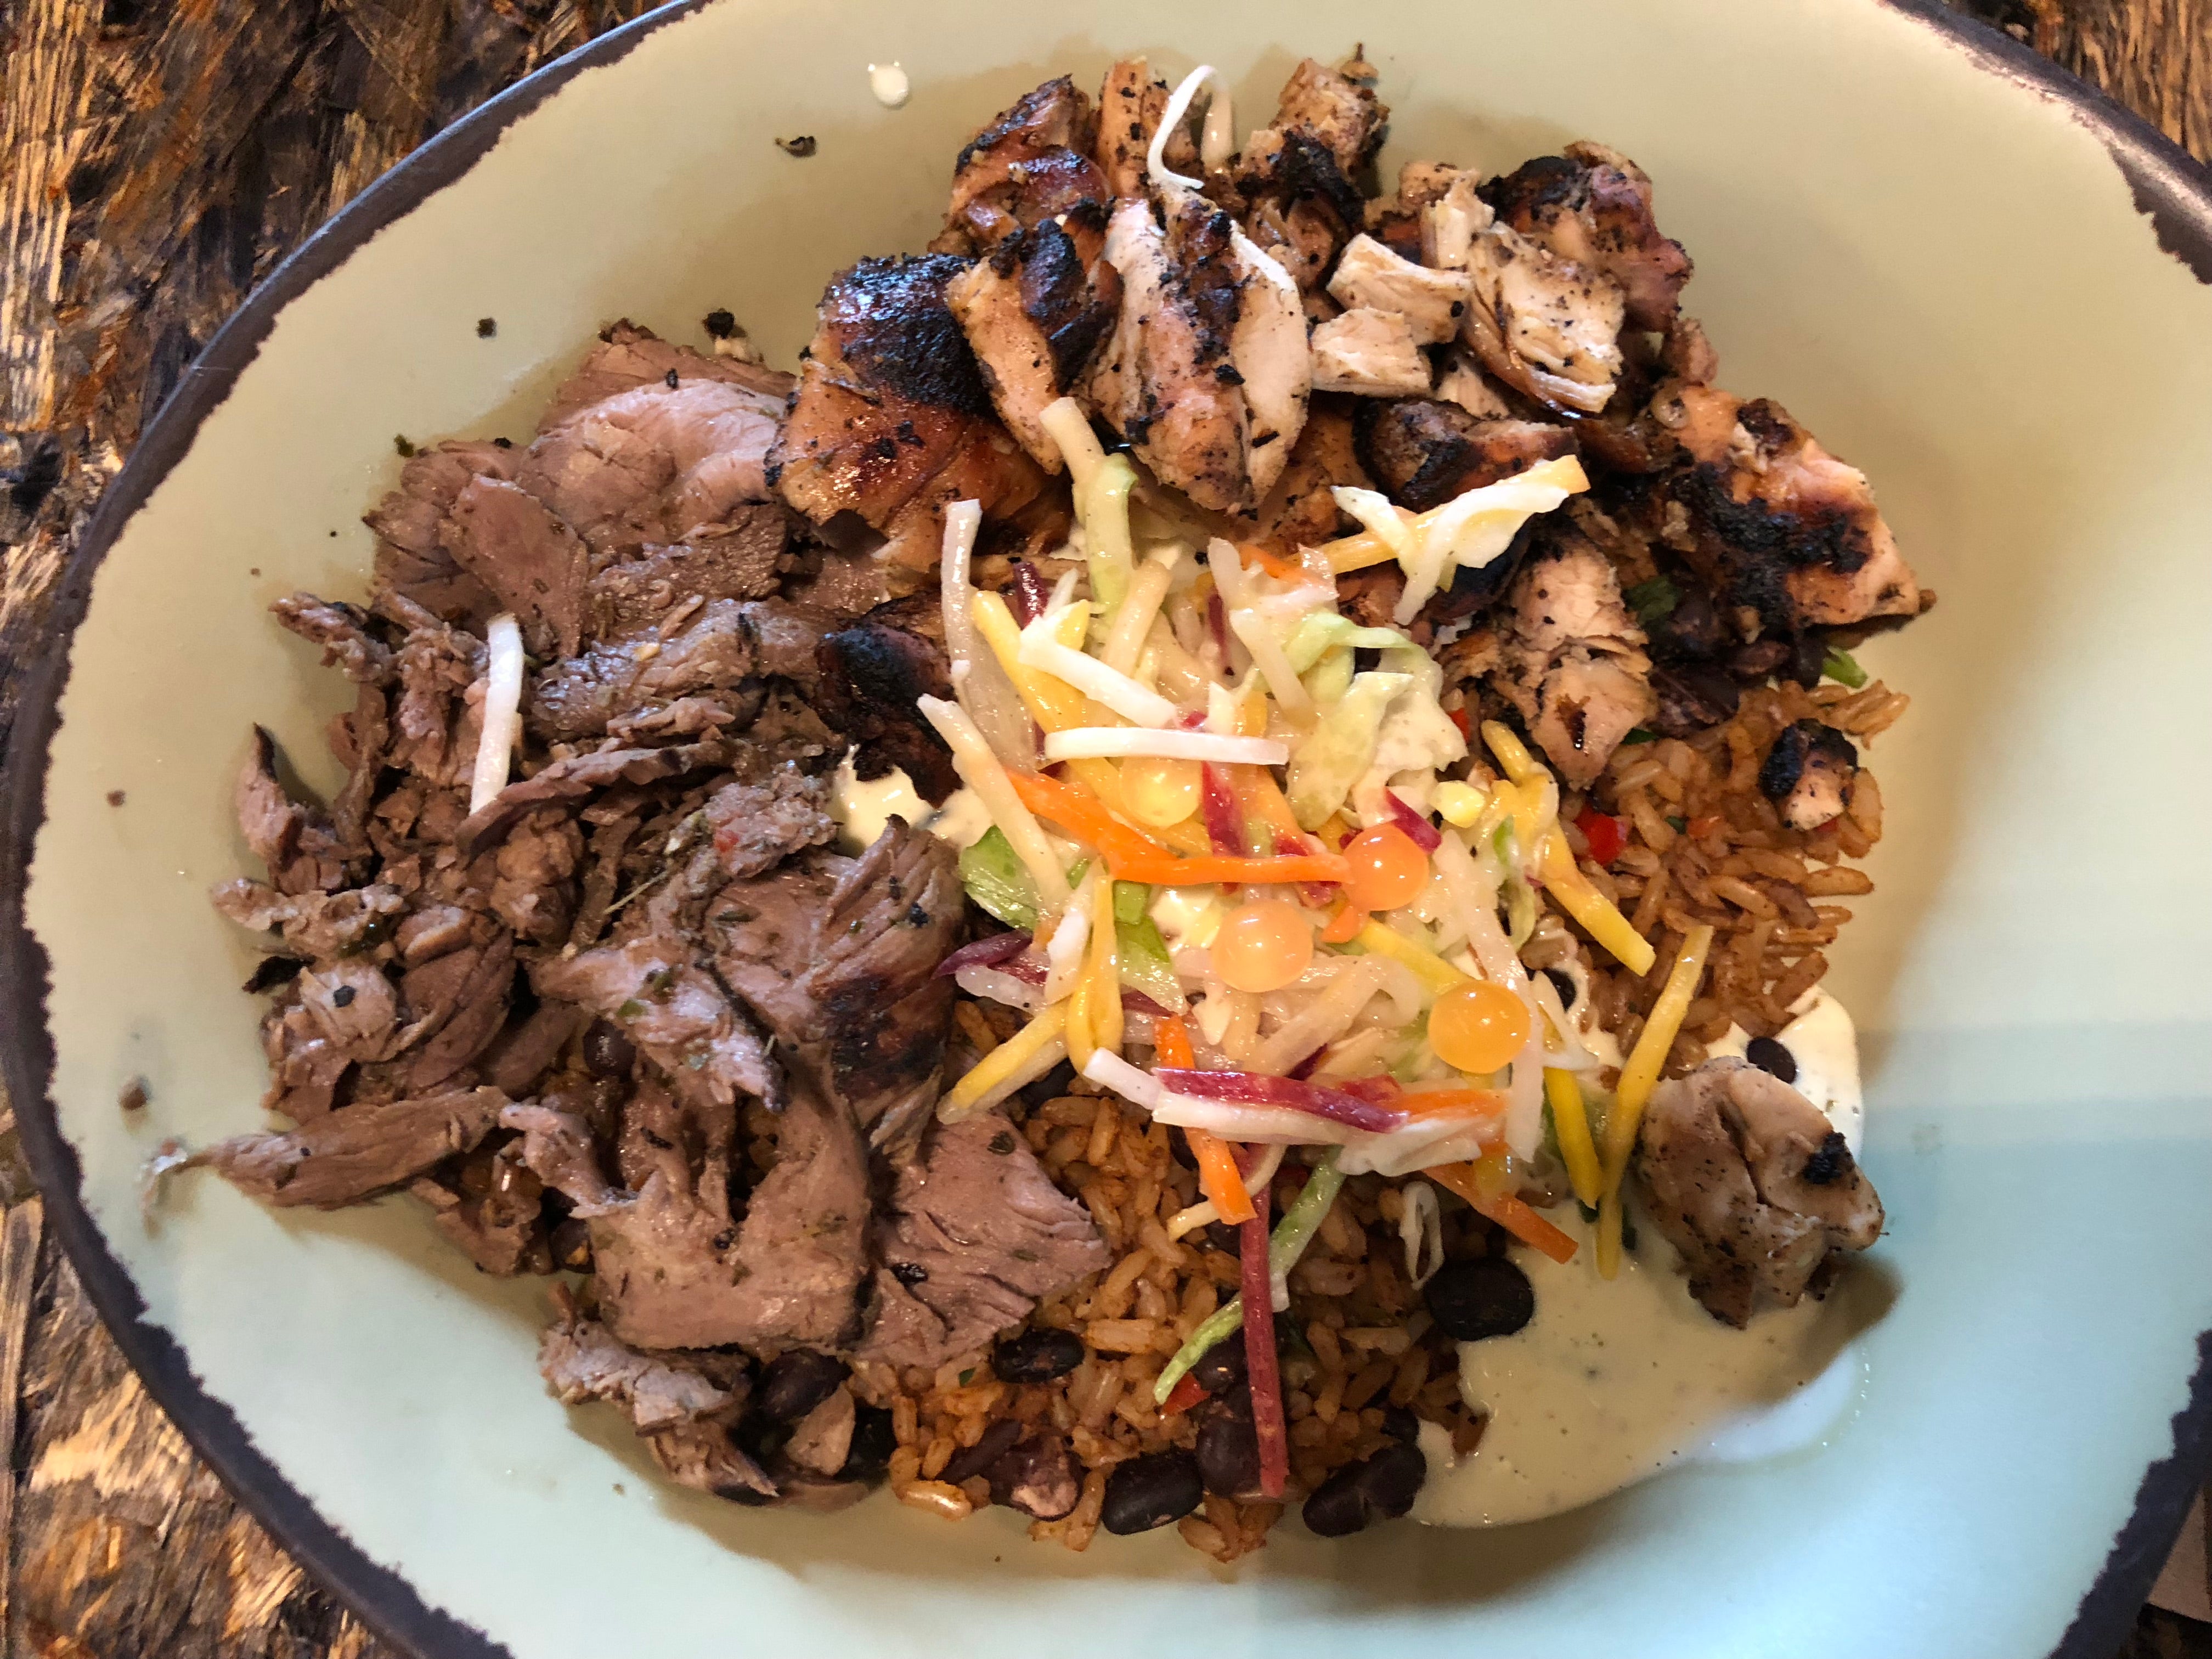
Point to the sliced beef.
(738, 559)
(295, 841)
(356, 1153)
(654, 458)
(353, 1007)
(491, 1209)
(757, 822)
(628, 357)
(306, 1068)
(577, 777)
(1029, 165)
(436, 724)
(673, 1011)
(530, 562)
(702, 1455)
(413, 526)
(529, 1046)
(343, 632)
(977, 1234)
(1753, 1184)
(532, 888)
(316, 925)
(1573, 661)
(892, 421)
(1593, 206)
(725, 647)
(581, 1359)
(1423, 452)
(839, 956)
(456, 1004)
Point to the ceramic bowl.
(1977, 280)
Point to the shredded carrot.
(1163, 869)
(1343, 926)
(1185, 1394)
(1476, 1103)
(1506, 1210)
(1171, 1043)
(1218, 1177)
(1274, 563)
(1087, 817)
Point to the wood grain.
(156, 162)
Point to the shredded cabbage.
(1342, 747)
(998, 880)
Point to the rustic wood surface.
(156, 162)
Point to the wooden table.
(156, 162)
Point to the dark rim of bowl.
(2172, 189)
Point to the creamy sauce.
(1613, 1381)
(1824, 1044)
(863, 809)
(888, 83)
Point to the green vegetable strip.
(996, 879)
(1105, 512)
(1130, 900)
(1843, 668)
(1141, 955)
(1284, 1246)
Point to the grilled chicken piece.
(1752, 1185)
(1295, 176)
(891, 420)
(1572, 657)
(1432, 301)
(1423, 451)
(1036, 312)
(1776, 523)
(1300, 511)
(1130, 105)
(1546, 326)
(1031, 164)
(1807, 774)
(1593, 206)
(1370, 353)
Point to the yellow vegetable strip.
(1147, 589)
(1637, 1079)
(1003, 1061)
(980, 770)
(1105, 978)
(1437, 975)
(1054, 704)
(1357, 552)
(1570, 1120)
(1600, 918)
(1512, 754)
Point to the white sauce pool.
(862, 809)
(1613, 1381)
(888, 83)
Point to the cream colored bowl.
(1918, 240)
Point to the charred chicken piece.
(1593, 206)
(1031, 164)
(891, 420)
(1776, 524)
(1422, 451)
(1548, 326)
(1296, 176)
(1807, 774)
(1130, 105)
(1300, 511)
(1753, 1185)
(1572, 657)
(1036, 312)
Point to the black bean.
(1338, 1506)
(1487, 1297)
(1228, 1455)
(1400, 1422)
(571, 1245)
(796, 1382)
(1564, 983)
(1151, 1491)
(1037, 1356)
(607, 1051)
(874, 1440)
(1221, 1367)
(1040, 1477)
(1772, 1056)
(1392, 1477)
(1052, 1085)
(997, 1441)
